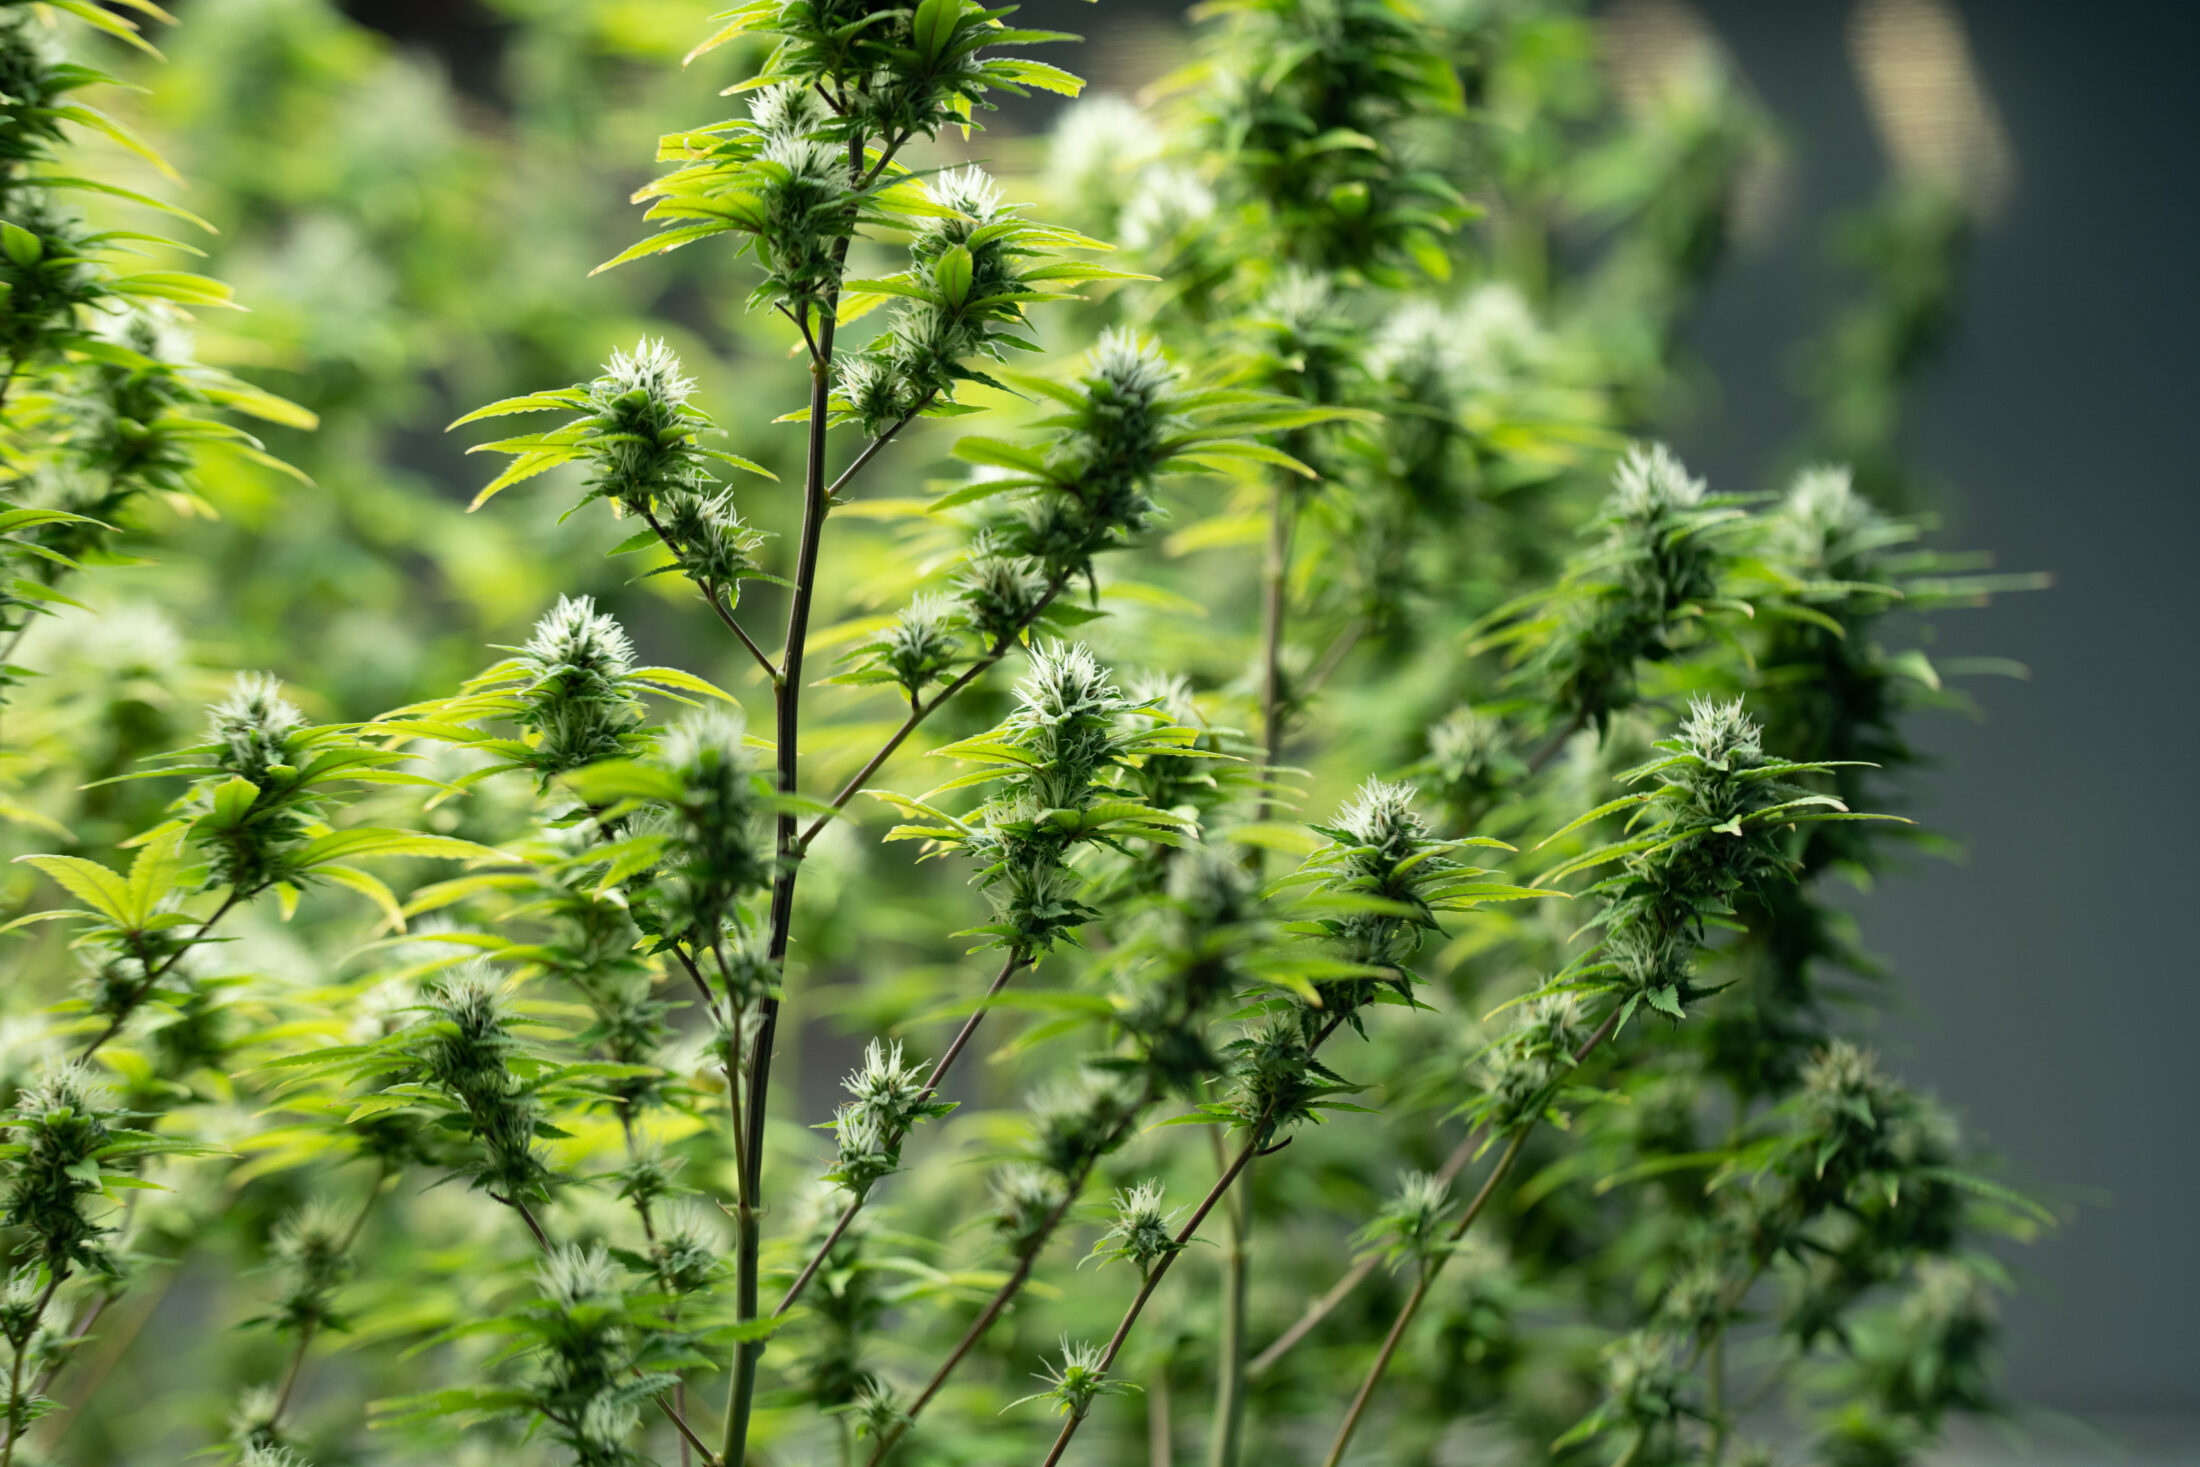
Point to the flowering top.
(1061, 758)
(637, 433)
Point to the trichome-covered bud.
(1025, 1201)
(1410, 1226)
(711, 544)
(1518, 1073)
(1645, 1401)
(890, 1097)
(716, 854)
(1275, 1080)
(685, 1257)
(252, 726)
(1077, 1381)
(645, 447)
(22, 1306)
(1002, 591)
(1658, 566)
(63, 1126)
(466, 1046)
(312, 1248)
(1140, 1231)
(580, 702)
(921, 648)
(1076, 1122)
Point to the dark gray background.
(2051, 983)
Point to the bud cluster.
(64, 1128)
(1141, 1232)
(1291, 74)
(579, 700)
(1060, 758)
(1410, 1226)
(716, 852)
(312, 1249)
(1080, 1379)
(465, 1047)
(589, 1349)
(1659, 567)
(890, 1098)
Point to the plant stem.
(1557, 741)
(154, 975)
(1453, 1165)
(787, 703)
(1275, 573)
(1152, 1281)
(1319, 1310)
(1334, 658)
(889, 1438)
(919, 714)
(1016, 959)
(307, 1330)
(1229, 1416)
(1413, 1300)
(710, 594)
(15, 1371)
(1215, 1194)
(1459, 1230)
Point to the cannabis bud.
(1141, 1229)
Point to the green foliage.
(1337, 494)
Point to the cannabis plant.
(1360, 971)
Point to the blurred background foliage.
(410, 198)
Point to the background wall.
(2054, 992)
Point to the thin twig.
(871, 449)
(1183, 1239)
(1016, 959)
(1557, 742)
(306, 1331)
(1459, 1230)
(1001, 1299)
(1320, 1309)
(710, 594)
(1420, 1291)
(153, 976)
(1252, 1148)
(917, 716)
(1334, 658)
(15, 1371)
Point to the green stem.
(1275, 575)
(1413, 1300)
(1184, 1235)
(1016, 959)
(1229, 1420)
(15, 1373)
(308, 1329)
(1001, 1299)
(1412, 1307)
(920, 713)
(787, 703)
